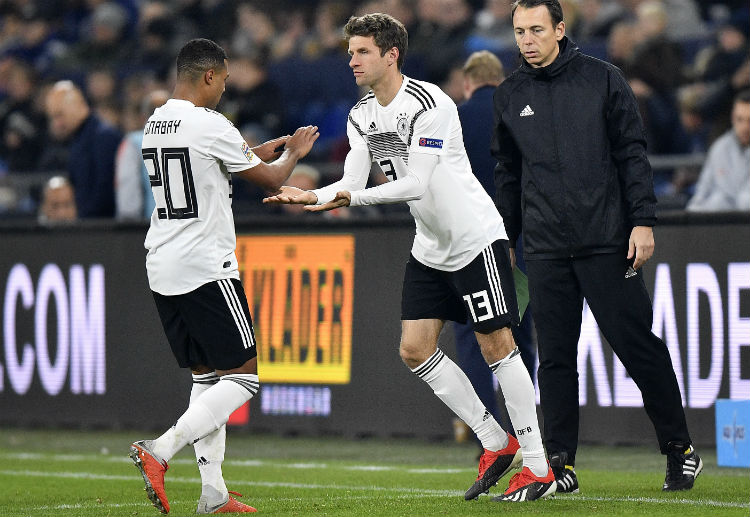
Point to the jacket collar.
(568, 50)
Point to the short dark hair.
(387, 31)
(553, 6)
(742, 96)
(198, 56)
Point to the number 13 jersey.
(455, 218)
(190, 153)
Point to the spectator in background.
(654, 72)
(152, 55)
(692, 120)
(684, 19)
(103, 42)
(325, 36)
(132, 186)
(251, 98)
(102, 94)
(58, 202)
(453, 84)
(256, 34)
(92, 146)
(482, 73)
(492, 27)
(444, 25)
(724, 183)
(621, 43)
(721, 70)
(21, 125)
(597, 17)
(31, 38)
(657, 58)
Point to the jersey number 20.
(159, 163)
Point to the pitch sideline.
(405, 492)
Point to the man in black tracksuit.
(572, 173)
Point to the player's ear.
(208, 77)
(393, 55)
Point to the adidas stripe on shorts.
(210, 326)
(482, 292)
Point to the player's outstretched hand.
(343, 198)
(302, 140)
(292, 196)
(268, 151)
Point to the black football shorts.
(482, 292)
(210, 326)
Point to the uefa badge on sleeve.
(247, 151)
(434, 143)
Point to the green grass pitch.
(66, 473)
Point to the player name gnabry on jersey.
(161, 127)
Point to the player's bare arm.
(269, 151)
(271, 176)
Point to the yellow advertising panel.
(300, 290)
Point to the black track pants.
(623, 311)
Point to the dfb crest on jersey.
(402, 125)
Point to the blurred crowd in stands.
(76, 77)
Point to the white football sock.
(209, 451)
(521, 403)
(452, 386)
(208, 412)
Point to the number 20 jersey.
(190, 153)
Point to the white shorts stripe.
(494, 280)
(240, 313)
(235, 308)
(493, 288)
(496, 277)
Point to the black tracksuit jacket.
(571, 155)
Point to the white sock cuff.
(209, 379)
(424, 369)
(506, 360)
(249, 381)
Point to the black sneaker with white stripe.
(565, 475)
(683, 466)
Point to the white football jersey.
(455, 218)
(189, 153)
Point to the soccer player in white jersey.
(459, 265)
(191, 153)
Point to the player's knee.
(413, 354)
(496, 345)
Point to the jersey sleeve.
(356, 135)
(232, 150)
(356, 172)
(431, 130)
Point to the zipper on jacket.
(565, 224)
